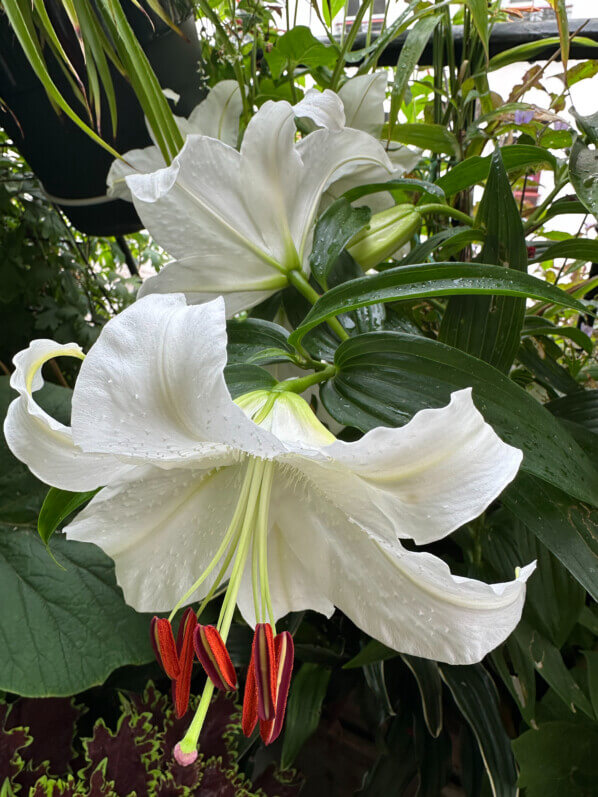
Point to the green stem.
(301, 383)
(348, 43)
(446, 210)
(299, 281)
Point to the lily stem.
(303, 382)
(299, 281)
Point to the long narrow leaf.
(426, 280)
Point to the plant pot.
(71, 167)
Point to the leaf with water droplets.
(583, 171)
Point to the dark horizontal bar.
(503, 37)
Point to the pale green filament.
(225, 541)
(252, 507)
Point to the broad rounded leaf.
(63, 630)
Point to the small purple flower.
(523, 117)
(559, 125)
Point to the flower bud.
(386, 232)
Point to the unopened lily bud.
(386, 232)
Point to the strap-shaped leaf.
(386, 377)
(490, 327)
(308, 690)
(567, 528)
(253, 340)
(476, 169)
(430, 279)
(335, 228)
(474, 692)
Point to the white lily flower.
(239, 222)
(216, 116)
(363, 99)
(153, 420)
(199, 489)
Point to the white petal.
(136, 161)
(218, 115)
(329, 156)
(363, 99)
(41, 442)
(152, 386)
(161, 528)
(324, 108)
(271, 172)
(195, 207)
(403, 158)
(293, 588)
(196, 277)
(408, 601)
(423, 480)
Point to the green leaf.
(416, 40)
(476, 169)
(371, 653)
(406, 184)
(567, 205)
(308, 690)
(490, 327)
(474, 692)
(560, 9)
(591, 657)
(537, 327)
(334, 229)
(426, 136)
(57, 506)
(299, 46)
(64, 630)
(583, 173)
(545, 369)
(572, 248)
(386, 377)
(330, 8)
(480, 17)
(529, 50)
(581, 408)
(550, 666)
(429, 279)
(242, 379)
(253, 340)
(558, 759)
(567, 528)
(429, 684)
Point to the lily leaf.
(308, 690)
(583, 172)
(335, 228)
(475, 694)
(430, 279)
(490, 327)
(253, 340)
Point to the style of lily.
(216, 116)
(257, 498)
(240, 223)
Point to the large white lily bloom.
(239, 222)
(312, 522)
(216, 116)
